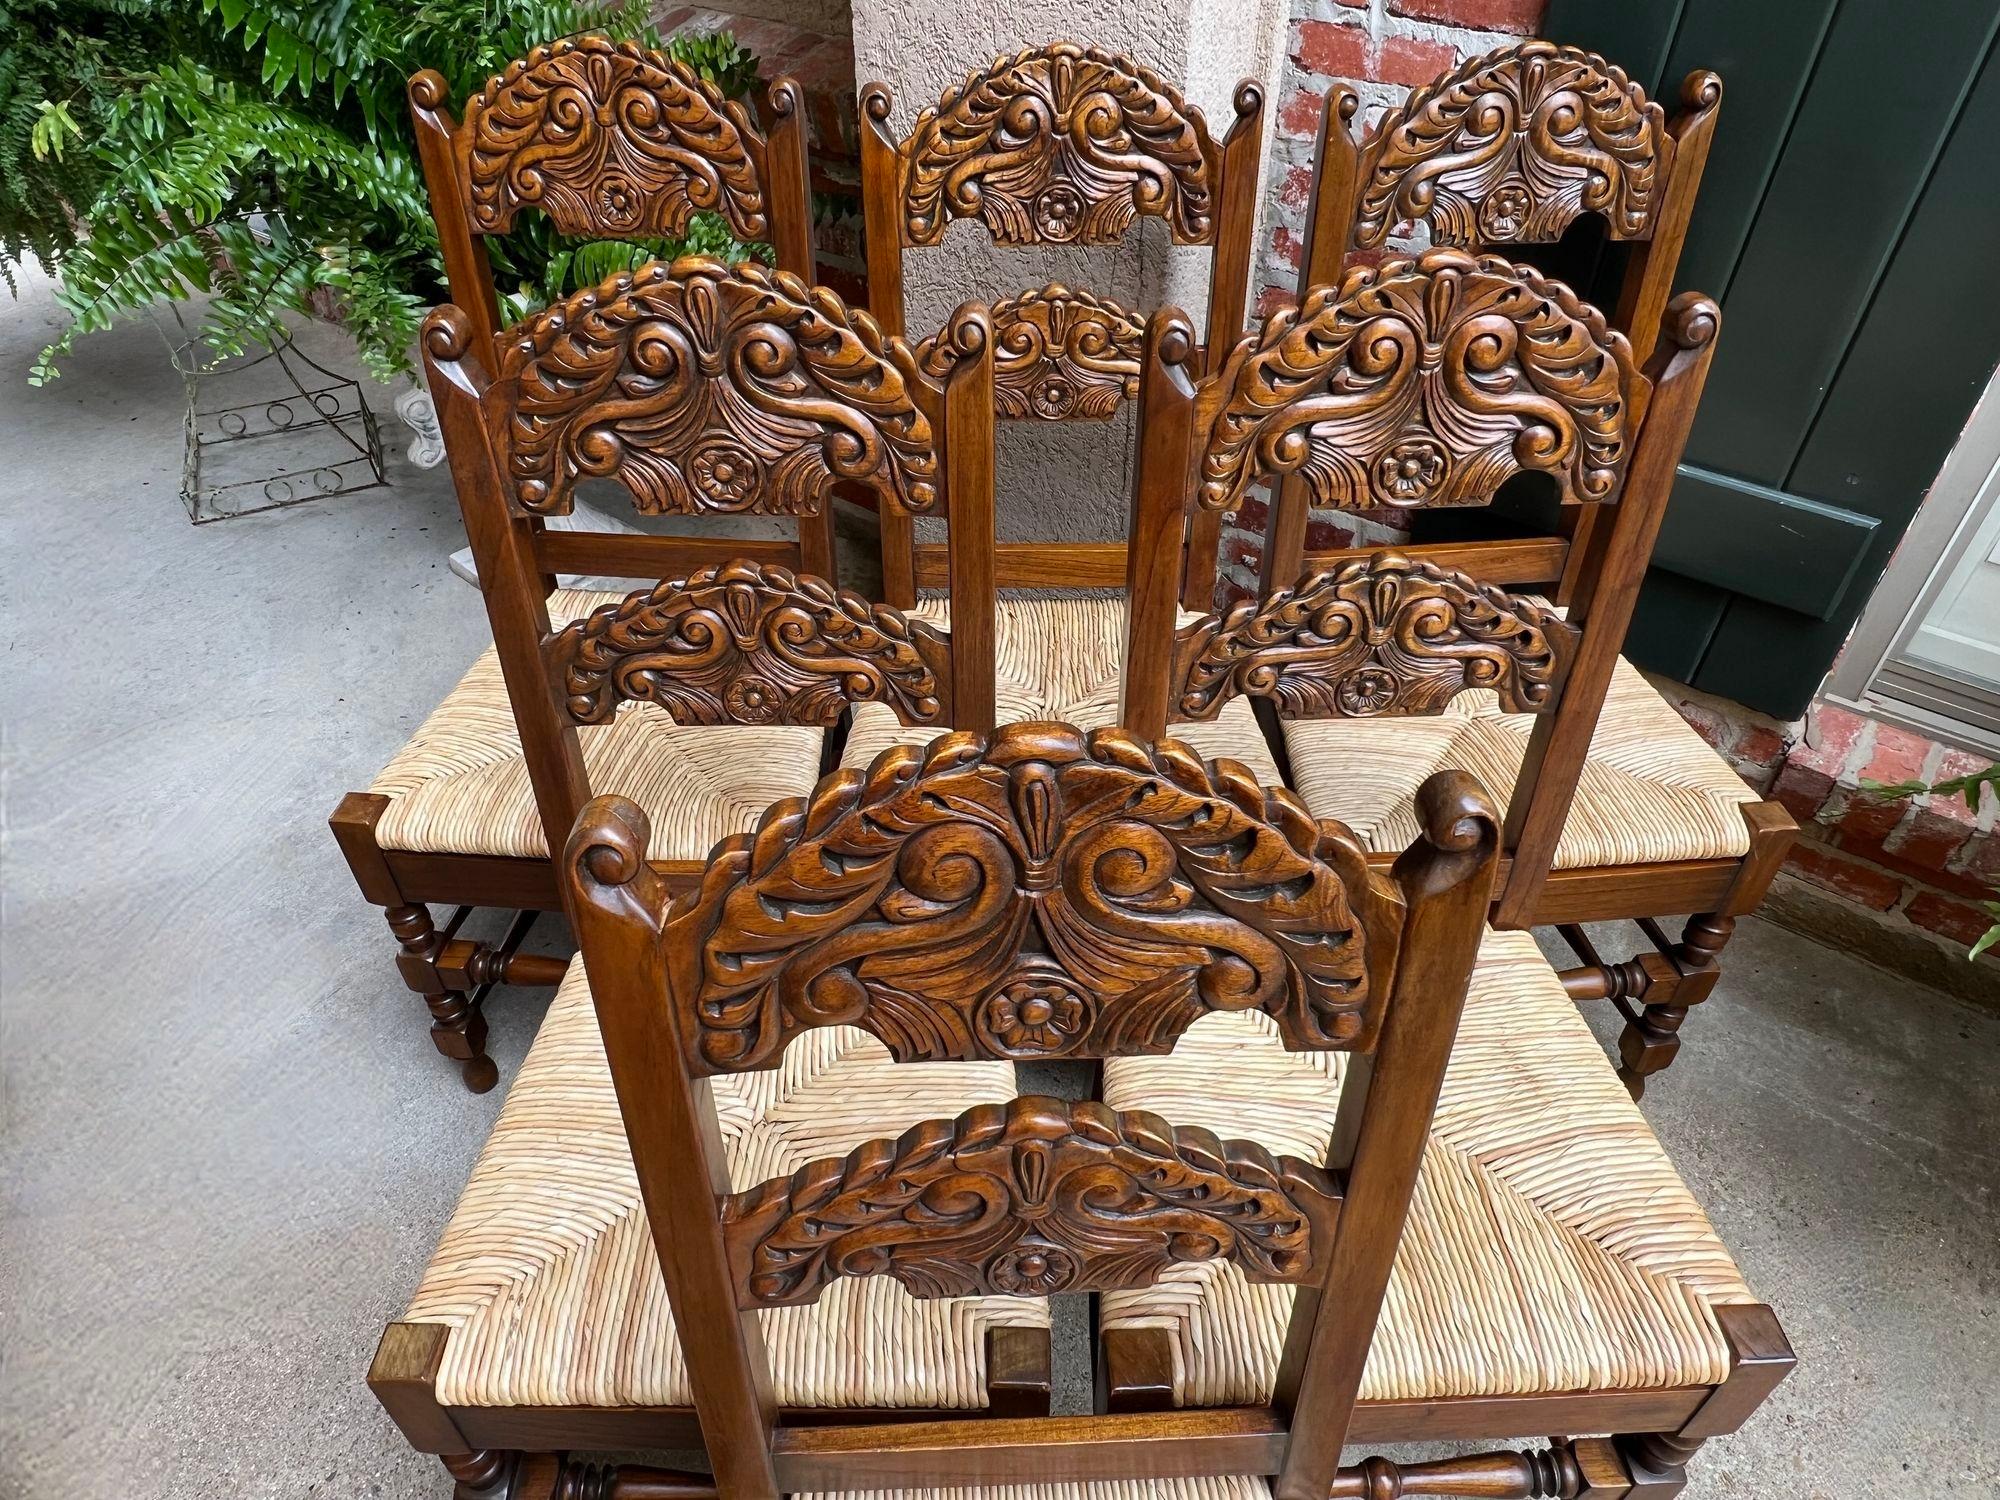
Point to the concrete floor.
(229, 1147)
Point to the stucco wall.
(1067, 481)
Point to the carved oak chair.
(616, 141)
(1060, 145)
(708, 696)
(1515, 149)
(1427, 381)
(1020, 895)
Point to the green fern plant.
(258, 153)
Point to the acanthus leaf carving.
(1031, 894)
(704, 388)
(1059, 355)
(745, 643)
(1380, 635)
(1057, 145)
(1030, 1198)
(1426, 382)
(610, 138)
(1512, 147)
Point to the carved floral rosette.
(705, 388)
(1056, 145)
(610, 138)
(1426, 382)
(1031, 894)
(1059, 355)
(1380, 635)
(744, 643)
(1512, 147)
(1029, 1198)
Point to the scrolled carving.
(1056, 145)
(1032, 1197)
(1512, 146)
(703, 388)
(610, 138)
(1061, 355)
(1031, 894)
(742, 643)
(1380, 635)
(1426, 382)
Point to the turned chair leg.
(458, 1028)
(500, 1475)
(1653, 991)
(1652, 1037)
(484, 1474)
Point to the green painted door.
(1849, 223)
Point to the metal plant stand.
(335, 448)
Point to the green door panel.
(1883, 95)
(1917, 364)
(1849, 221)
(1784, 549)
(1672, 624)
(1765, 54)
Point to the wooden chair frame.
(1415, 164)
(622, 172)
(845, 404)
(1269, 412)
(643, 173)
(1063, 354)
(1266, 870)
(1424, 160)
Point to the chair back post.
(1649, 277)
(882, 226)
(1238, 178)
(1329, 224)
(1155, 538)
(1384, 1121)
(620, 908)
(969, 523)
(788, 199)
(1649, 274)
(1602, 609)
(788, 180)
(510, 580)
(1104, 141)
(467, 272)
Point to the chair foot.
(1657, 1463)
(458, 1027)
(484, 1474)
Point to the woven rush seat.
(1228, 1487)
(1059, 656)
(1551, 1245)
(548, 1278)
(460, 786)
(1652, 789)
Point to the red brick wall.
(1908, 866)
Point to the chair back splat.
(1060, 145)
(1509, 149)
(612, 140)
(1419, 382)
(1026, 894)
(702, 388)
